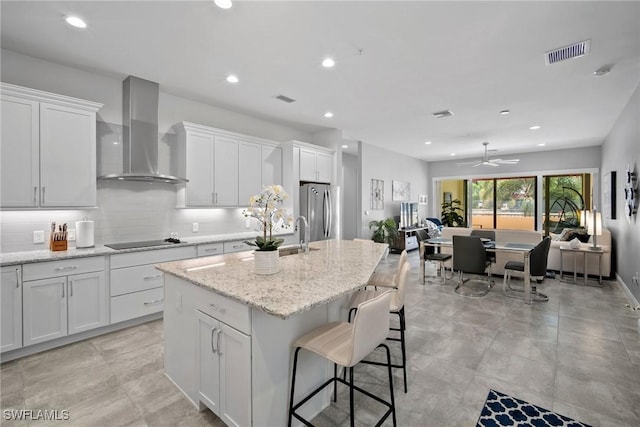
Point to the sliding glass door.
(506, 203)
(564, 197)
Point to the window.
(507, 203)
(564, 197)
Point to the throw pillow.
(581, 234)
(565, 236)
(432, 229)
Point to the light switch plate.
(247, 223)
(195, 227)
(71, 234)
(38, 236)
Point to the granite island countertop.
(336, 268)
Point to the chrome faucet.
(307, 233)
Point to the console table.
(576, 252)
(406, 239)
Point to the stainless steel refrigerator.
(320, 205)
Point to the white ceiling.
(396, 63)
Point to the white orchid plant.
(264, 207)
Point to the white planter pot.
(266, 262)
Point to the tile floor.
(578, 354)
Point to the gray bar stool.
(346, 344)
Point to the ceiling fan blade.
(506, 161)
(475, 162)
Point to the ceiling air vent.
(285, 99)
(575, 50)
(441, 114)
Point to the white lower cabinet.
(136, 285)
(59, 306)
(224, 366)
(11, 310)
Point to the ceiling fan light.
(223, 4)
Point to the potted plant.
(452, 214)
(384, 230)
(264, 207)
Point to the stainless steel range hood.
(140, 134)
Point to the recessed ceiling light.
(328, 114)
(542, 144)
(602, 71)
(505, 112)
(223, 4)
(536, 127)
(232, 78)
(76, 22)
(328, 62)
(452, 154)
(345, 146)
(427, 142)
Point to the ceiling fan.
(485, 161)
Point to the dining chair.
(470, 256)
(537, 268)
(429, 254)
(486, 234)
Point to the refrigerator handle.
(324, 213)
(329, 213)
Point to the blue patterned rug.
(502, 410)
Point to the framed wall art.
(609, 195)
(400, 191)
(377, 194)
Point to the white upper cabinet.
(315, 166)
(48, 149)
(224, 169)
(225, 172)
(250, 176)
(19, 156)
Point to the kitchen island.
(228, 331)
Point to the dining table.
(493, 246)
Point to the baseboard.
(69, 339)
(632, 299)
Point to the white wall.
(127, 211)
(378, 163)
(349, 196)
(622, 148)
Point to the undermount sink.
(293, 250)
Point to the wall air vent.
(575, 50)
(441, 114)
(285, 99)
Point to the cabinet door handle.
(17, 277)
(70, 267)
(154, 301)
(213, 332)
(157, 276)
(218, 342)
(218, 309)
(35, 195)
(71, 288)
(237, 246)
(62, 283)
(216, 200)
(211, 250)
(42, 197)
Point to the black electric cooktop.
(145, 244)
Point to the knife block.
(57, 245)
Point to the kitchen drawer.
(134, 279)
(154, 256)
(46, 270)
(233, 313)
(236, 246)
(210, 249)
(137, 304)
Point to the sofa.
(533, 237)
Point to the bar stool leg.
(404, 350)
(393, 402)
(352, 415)
(293, 385)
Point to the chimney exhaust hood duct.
(140, 135)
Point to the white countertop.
(26, 257)
(304, 281)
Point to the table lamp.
(594, 227)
